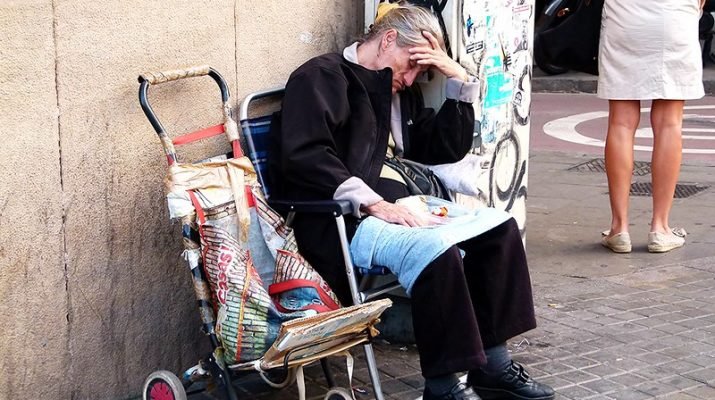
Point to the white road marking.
(565, 129)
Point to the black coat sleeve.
(444, 137)
(314, 106)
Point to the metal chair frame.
(361, 291)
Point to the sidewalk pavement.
(611, 326)
(580, 82)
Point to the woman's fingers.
(431, 39)
(396, 214)
(437, 58)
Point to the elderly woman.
(342, 115)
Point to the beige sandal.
(618, 243)
(659, 242)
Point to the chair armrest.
(335, 207)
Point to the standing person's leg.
(667, 122)
(623, 119)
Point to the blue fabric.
(299, 298)
(407, 251)
(256, 131)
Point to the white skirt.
(649, 49)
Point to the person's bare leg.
(623, 119)
(666, 118)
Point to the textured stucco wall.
(33, 300)
(94, 295)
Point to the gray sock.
(498, 358)
(441, 384)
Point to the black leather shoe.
(514, 383)
(460, 391)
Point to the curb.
(578, 82)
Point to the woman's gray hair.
(409, 21)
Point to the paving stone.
(702, 392)
(695, 323)
(553, 352)
(535, 372)
(530, 358)
(680, 367)
(398, 369)
(605, 320)
(651, 312)
(416, 381)
(673, 317)
(679, 396)
(395, 386)
(604, 386)
(604, 310)
(628, 364)
(672, 328)
(583, 315)
(681, 382)
(650, 322)
(580, 349)
(656, 388)
(705, 375)
(555, 368)
(576, 392)
(654, 340)
(604, 370)
(681, 339)
(578, 377)
(556, 382)
(654, 358)
(610, 355)
(679, 352)
(580, 362)
(628, 379)
(703, 360)
(630, 394)
(628, 316)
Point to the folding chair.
(360, 278)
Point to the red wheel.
(163, 385)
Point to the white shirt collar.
(350, 53)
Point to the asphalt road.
(577, 123)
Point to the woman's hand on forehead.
(431, 55)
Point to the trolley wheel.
(279, 378)
(163, 385)
(338, 393)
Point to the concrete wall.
(94, 296)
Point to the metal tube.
(374, 373)
(349, 268)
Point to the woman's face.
(404, 70)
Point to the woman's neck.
(368, 51)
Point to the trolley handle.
(147, 79)
(154, 78)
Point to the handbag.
(419, 179)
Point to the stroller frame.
(212, 367)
